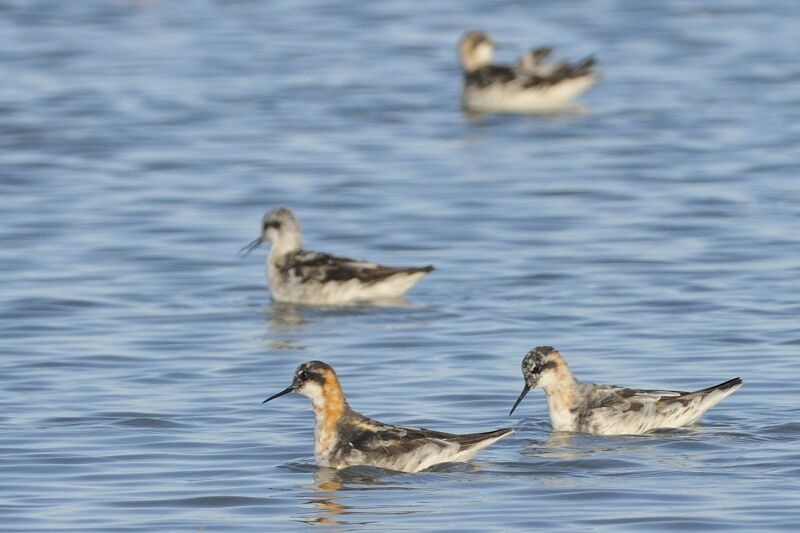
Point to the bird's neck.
(561, 399)
(469, 64)
(329, 409)
(476, 58)
(284, 246)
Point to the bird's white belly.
(294, 290)
(512, 98)
(419, 459)
(648, 419)
(562, 421)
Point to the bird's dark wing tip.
(475, 438)
(735, 382)
(725, 385)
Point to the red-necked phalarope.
(345, 438)
(530, 86)
(300, 276)
(610, 410)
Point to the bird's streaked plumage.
(531, 85)
(343, 437)
(296, 275)
(611, 410)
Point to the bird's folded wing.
(491, 74)
(558, 71)
(397, 440)
(623, 400)
(323, 267)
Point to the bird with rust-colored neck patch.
(611, 410)
(343, 437)
(532, 85)
(296, 275)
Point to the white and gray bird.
(531, 85)
(296, 275)
(343, 437)
(611, 410)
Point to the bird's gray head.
(531, 59)
(538, 368)
(318, 381)
(475, 50)
(281, 229)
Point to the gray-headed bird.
(296, 275)
(531, 85)
(611, 410)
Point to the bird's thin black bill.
(525, 391)
(285, 391)
(249, 247)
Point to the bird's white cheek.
(313, 392)
(270, 235)
(546, 379)
(483, 53)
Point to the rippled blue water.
(654, 239)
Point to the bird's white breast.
(512, 97)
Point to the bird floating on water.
(345, 438)
(531, 85)
(296, 275)
(611, 410)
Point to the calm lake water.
(654, 239)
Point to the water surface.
(653, 239)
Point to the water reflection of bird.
(345, 438)
(301, 276)
(611, 410)
(326, 484)
(531, 85)
(284, 323)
